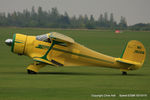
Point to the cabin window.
(44, 38)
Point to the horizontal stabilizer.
(124, 62)
(128, 62)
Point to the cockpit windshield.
(44, 38)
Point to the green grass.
(73, 83)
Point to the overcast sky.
(135, 11)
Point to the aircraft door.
(43, 46)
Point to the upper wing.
(38, 59)
(60, 37)
(52, 62)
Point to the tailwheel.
(31, 72)
(124, 73)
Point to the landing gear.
(31, 72)
(124, 73)
(34, 67)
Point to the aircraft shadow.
(11, 73)
(72, 73)
(79, 73)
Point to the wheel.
(124, 73)
(31, 72)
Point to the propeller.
(9, 42)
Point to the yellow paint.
(35, 66)
(57, 49)
(19, 43)
(135, 51)
(75, 51)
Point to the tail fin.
(134, 51)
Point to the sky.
(135, 11)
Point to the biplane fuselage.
(59, 50)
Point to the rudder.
(134, 51)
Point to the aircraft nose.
(9, 42)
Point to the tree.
(34, 17)
(74, 22)
(100, 21)
(40, 17)
(86, 19)
(64, 21)
(92, 23)
(53, 19)
(3, 21)
(54, 12)
(66, 18)
(140, 26)
(81, 21)
(123, 23)
(112, 21)
(105, 19)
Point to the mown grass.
(73, 83)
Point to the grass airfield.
(74, 83)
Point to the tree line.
(53, 19)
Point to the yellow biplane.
(60, 50)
